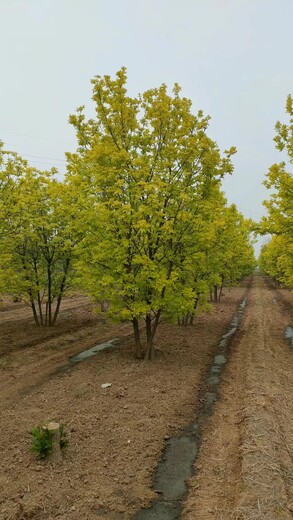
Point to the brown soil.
(245, 467)
(29, 354)
(116, 435)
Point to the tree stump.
(54, 429)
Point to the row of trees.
(276, 258)
(38, 236)
(139, 220)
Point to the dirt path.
(245, 469)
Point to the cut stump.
(54, 429)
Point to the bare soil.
(116, 435)
(245, 467)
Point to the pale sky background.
(233, 58)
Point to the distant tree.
(276, 260)
(279, 221)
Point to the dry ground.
(115, 435)
(245, 468)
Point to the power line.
(49, 164)
(34, 137)
(42, 157)
(32, 147)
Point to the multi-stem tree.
(145, 170)
(38, 242)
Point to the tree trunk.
(38, 293)
(151, 329)
(30, 292)
(149, 336)
(61, 291)
(156, 323)
(46, 314)
(40, 308)
(194, 307)
(34, 312)
(215, 293)
(57, 309)
(49, 295)
(221, 288)
(138, 348)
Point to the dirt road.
(244, 469)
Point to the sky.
(232, 58)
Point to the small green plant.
(43, 440)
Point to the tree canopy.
(277, 257)
(140, 220)
(149, 179)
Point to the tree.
(38, 243)
(279, 221)
(276, 260)
(146, 172)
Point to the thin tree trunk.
(181, 322)
(35, 314)
(49, 276)
(138, 348)
(57, 309)
(151, 330)
(30, 292)
(62, 287)
(40, 308)
(215, 293)
(46, 314)
(38, 293)
(156, 323)
(221, 288)
(191, 317)
(193, 313)
(149, 336)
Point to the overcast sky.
(231, 57)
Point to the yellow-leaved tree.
(38, 236)
(277, 257)
(146, 173)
